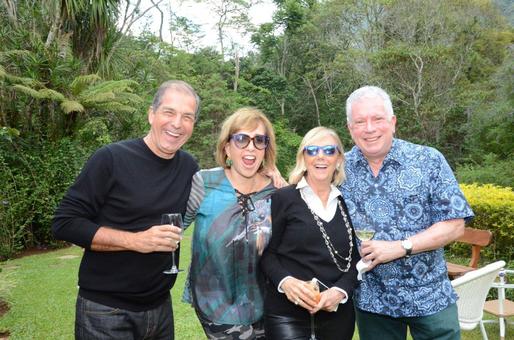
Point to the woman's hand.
(299, 293)
(330, 300)
(276, 177)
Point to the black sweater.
(297, 249)
(124, 186)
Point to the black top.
(297, 249)
(124, 186)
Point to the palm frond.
(27, 90)
(82, 82)
(115, 108)
(13, 54)
(23, 80)
(11, 78)
(93, 99)
(51, 95)
(115, 86)
(69, 106)
(128, 98)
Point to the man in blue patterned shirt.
(409, 195)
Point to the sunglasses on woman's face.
(241, 140)
(313, 150)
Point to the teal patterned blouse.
(224, 282)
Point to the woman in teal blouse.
(231, 208)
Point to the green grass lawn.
(41, 290)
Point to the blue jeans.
(97, 321)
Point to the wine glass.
(365, 232)
(363, 227)
(313, 285)
(175, 220)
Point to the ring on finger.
(297, 301)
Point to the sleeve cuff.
(345, 299)
(279, 287)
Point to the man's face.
(371, 128)
(171, 123)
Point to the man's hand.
(156, 238)
(376, 252)
(436, 236)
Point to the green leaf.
(82, 82)
(69, 106)
(28, 91)
(51, 95)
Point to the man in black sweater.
(113, 210)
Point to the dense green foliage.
(492, 170)
(71, 80)
(494, 210)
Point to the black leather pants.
(338, 325)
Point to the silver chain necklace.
(331, 249)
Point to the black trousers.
(338, 325)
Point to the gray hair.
(369, 92)
(177, 85)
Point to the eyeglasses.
(241, 140)
(328, 150)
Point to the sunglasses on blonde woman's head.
(328, 150)
(241, 140)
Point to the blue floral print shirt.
(414, 189)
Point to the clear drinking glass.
(174, 220)
(365, 231)
(363, 227)
(313, 285)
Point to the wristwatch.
(407, 245)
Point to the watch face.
(406, 244)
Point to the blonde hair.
(300, 168)
(246, 118)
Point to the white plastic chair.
(502, 308)
(472, 289)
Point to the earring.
(228, 162)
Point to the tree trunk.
(236, 75)
(55, 28)
(11, 12)
(311, 90)
(220, 37)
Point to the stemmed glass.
(365, 232)
(175, 220)
(313, 285)
(363, 228)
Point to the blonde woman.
(231, 205)
(312, 238)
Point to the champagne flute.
(313, 285)
(174, 220)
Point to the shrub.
(494, 210)
(491, 170)
(33, 179)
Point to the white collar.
(314, 202)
